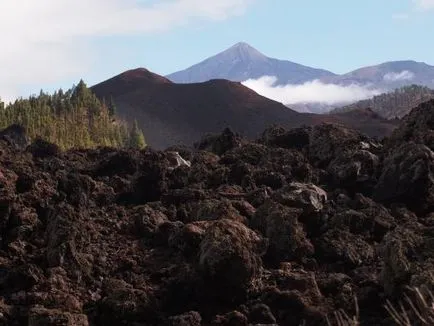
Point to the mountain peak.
(243, 51)
(142, 75)
(241, 62)
(243, 46)
(132, 80)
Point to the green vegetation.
(72, 119)
(137, 140)
(395, 104)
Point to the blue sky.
(53, 43)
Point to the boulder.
(408, 178)
(417, 127)
(402, 257)
(292, 164)
(176, 160)
(286, 236)
(191, 318)
(219, 144)
(15, 135)
(327, 142)
(187, 238)
(356, 171)
(363, 216)
(121, 303)
(76, 187)
(297, 138)
(230, 257)
(261, 314)
(41, 148)
(248, 153)
(309, 197)
(233, 318)
(343, 248)
(120, 163)
(147, 220)
(40, 316)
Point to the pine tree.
(71, 119)
(112, 107)
(137, 139)
(83, 96)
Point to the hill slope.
(389, 75)
(394, 104)
(241, 62)
(172, 113)
(180, 113)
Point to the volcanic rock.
(280, 231)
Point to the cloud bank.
(398, 76)
(46, 40)
(424, 4)
(311, 92)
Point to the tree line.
(395, 104)
(75, 118)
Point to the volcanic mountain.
(388, 75)
(170, 113)
(241, 62)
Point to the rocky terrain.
(285, 230)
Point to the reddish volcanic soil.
(172, 113)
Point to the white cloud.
(311, 92)
(424, 4)
(46, 40)
(398, 76)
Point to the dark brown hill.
(172, 113)
(364, 120)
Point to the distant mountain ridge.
(242, 61)
(394, 104)
(388, 75)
